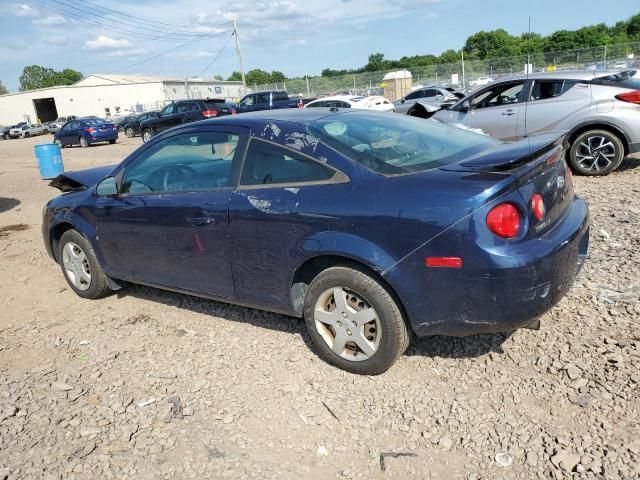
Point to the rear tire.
(368, 322)
(596, 153)
(112, 141)
(83, 142)
(59, 143)
(130, 133)
(80, 266)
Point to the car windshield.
(402, 145)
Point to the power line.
(115, 12)
(120, 30)
(216, 57)
(133, 23)
(158, 55)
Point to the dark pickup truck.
(272, 100)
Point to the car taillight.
(90, 130)
(504, 220)
(443, 262)
(631, 97)
(537, 205)
(209, 113)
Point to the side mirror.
(465, 106)
(402, 101)
(107, 187)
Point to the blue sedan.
(85, 131)
(370, 227)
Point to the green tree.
(277, 76)
(235, 77)
(3, 90)
(218, 77)
(494, 44)
(36, 76)
(258, 77)
(376, 63)
(633, 28)
(449, 56)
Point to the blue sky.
(293, 36)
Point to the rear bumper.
(102, 138)
(503, 298)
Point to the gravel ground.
(149, 384)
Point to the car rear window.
(95, 121)
(394, 146)
(621, 79)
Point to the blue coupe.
(369, 226)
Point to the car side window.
(262, 98)
(182, 108)
(168, 110)
(320, 103)
(544, 89)
(247, 101)
(344, 105)
(183, 163)
(266, 163)
(74, 125)
(415, 95)
(194, 107)
(431, 93)
(498, 95)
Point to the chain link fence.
(468, 74)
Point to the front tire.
(596, 153)
(354, 322)
(147, 135)
(80, 266)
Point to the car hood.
(80, 180)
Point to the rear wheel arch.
(576, 132)
(312, 267)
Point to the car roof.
(340, 97)
(565, 75)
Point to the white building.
(109, 96)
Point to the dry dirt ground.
(147, 384)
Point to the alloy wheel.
(348, 324)
(596, 153)
(83, 142)
(129, 132)
(146, 136)
(76, 266)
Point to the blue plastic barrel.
(49, 160)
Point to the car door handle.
(201, 221)
(508, 113)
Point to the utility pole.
(462, 56)
(239, 52)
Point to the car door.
(167, 118)
(263, 101)
(405, 104)
(278, 202)
(494, 110)
(168, 225)
(72, 133)
(555, 106)
(247, 104)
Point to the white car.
(480, 82)
(28, 130)
(376, 102)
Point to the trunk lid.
(539, 167)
